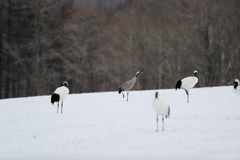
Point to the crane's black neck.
(137, 74)
(195, 74)
(65, 84)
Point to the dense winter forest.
(97, 46)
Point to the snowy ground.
(104, 126)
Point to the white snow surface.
(104, 126)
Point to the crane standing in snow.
(128, 85)
(236, 87)
(187, 83)
(60, 94)
(161, 107)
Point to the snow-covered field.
(103, 126)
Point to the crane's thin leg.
(163, 123)
(127, 95)
(62, 107)
(157, 123)
(187, 92)
(123, 94)
(57, 107)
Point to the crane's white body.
(62, 92)
(189, 82)
(160, 106)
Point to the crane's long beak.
(142, 72)
(230, 83)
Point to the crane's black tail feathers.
(178, 85)
(120, 89)
(55, 98)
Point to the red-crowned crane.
(161, 107)
(236, 87)
(187, 83)
(60, 94)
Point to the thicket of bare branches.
(97, 46)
